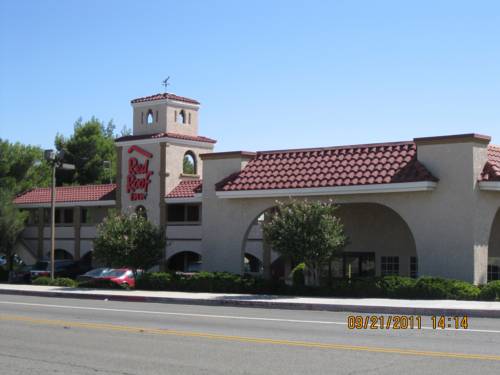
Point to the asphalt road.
(69, 336)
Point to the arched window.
(180, 117)
(141, 211)
(149, 118)
(189, 163)
(189, 118)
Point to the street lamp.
(54, 159)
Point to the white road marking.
(227, 316)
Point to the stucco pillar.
(77, 225)
(119, 161)
(163, 193)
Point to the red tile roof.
(166, 135)
(186, 189)
(68, 194)
(330, 167)
(491, 171)
(165, 96)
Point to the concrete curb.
(226, 301)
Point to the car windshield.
(97, 272)
(115, 273)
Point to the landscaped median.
(223, 282)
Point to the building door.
(359, 264)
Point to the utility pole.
(55, 159)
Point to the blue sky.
(269, 74)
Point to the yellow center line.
(212, 336)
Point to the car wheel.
(125, 286)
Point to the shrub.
(463, 290)
(397, 286)
(432, 288)
(59, 281)
(298, 274)
(42, 280)
(64, 281)
(4, 274)
(155, 281)
(490, 291)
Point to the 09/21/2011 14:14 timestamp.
(405, 322)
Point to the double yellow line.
(211, 336)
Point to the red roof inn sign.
(138, 178)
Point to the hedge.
(380, 287)
(58, 281)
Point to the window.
(358, 264)
(68, 216)
(189, 118)
(85, 216)
(189, 163)
(493, 272)
(63, 216)
(413, 267)
(32, 218)
(149, 118)
(493, 268)
(156, 116)
(389, 266)
(180, 117)
(180, 212)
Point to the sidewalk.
(360, 305)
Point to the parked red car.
(121, 276)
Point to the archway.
(252, 265)
(184, 261)
(380, 243)
(494, 249)
(61, 254)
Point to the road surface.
(68, 336)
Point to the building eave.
(196, 199)
(402, 187)
(489, 185)
(69, 204)
(168, 140)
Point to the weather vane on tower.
(165, 83)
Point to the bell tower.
(165, 113)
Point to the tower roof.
(164, 96)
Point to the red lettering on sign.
(138, 178)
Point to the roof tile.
(491, 170)
(322, 167)
(186, 189)
(85, 193)
(163, 96)
(166, 135)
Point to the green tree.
(91, 144)
(188, 165)
(306, 231)
(12, 223)
(22, 167)
(129, 240)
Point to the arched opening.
(252, 264)
(180, 117)
(494, 250)
(149, 118)
(61, 254)
(185, 261)
(189, 163)
(380, 243)
(141, 211)
(86, 259)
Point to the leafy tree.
(91, 144)
(22, 167)
(306, 232)
(12, 223)
(129, 240)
